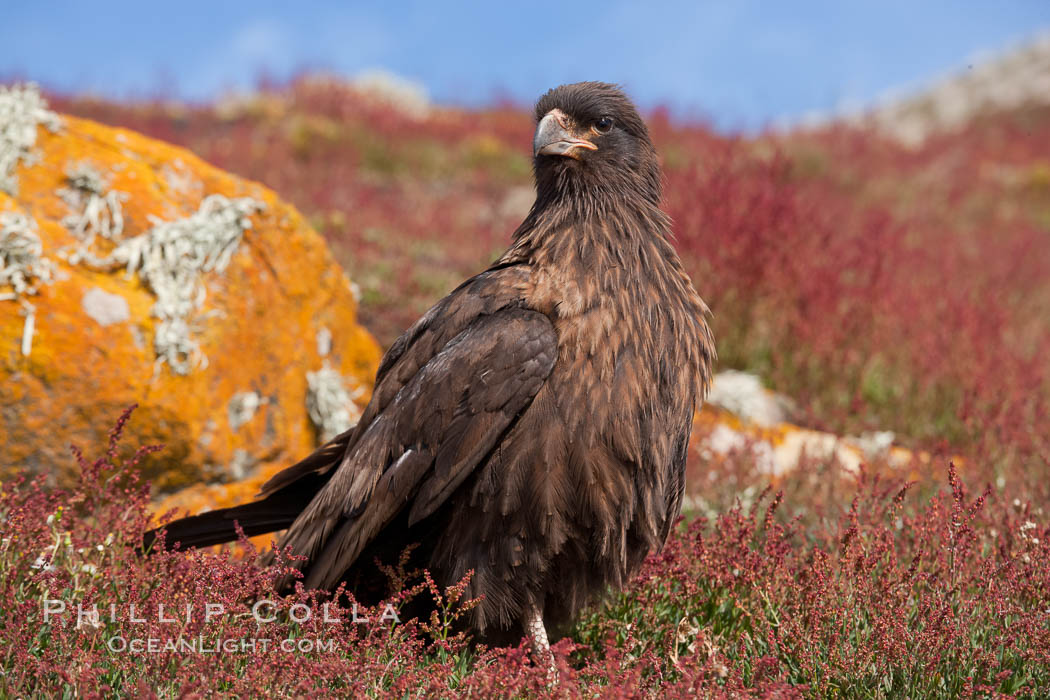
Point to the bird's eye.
(603, 125)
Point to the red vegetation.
(948, 597)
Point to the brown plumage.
(533, 425)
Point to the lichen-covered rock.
(133, 272)
(740, 415)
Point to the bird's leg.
(541, 646)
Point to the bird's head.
(590, 138)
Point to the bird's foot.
(541, 646)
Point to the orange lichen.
(257, 327)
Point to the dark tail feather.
(218, 526)
(288, 496)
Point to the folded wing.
(426, 439)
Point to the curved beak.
(553, 137)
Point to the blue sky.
(738, 64)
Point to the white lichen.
(330, 405)
(96, 212)
(324, 342)
(23, 268)
(241, 465)
(22, 110)
(171, 259)
(242, 407)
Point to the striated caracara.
(533, 425)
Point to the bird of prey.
(531, 427)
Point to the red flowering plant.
(947, 596)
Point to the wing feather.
(428, 437)
(497, 288)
